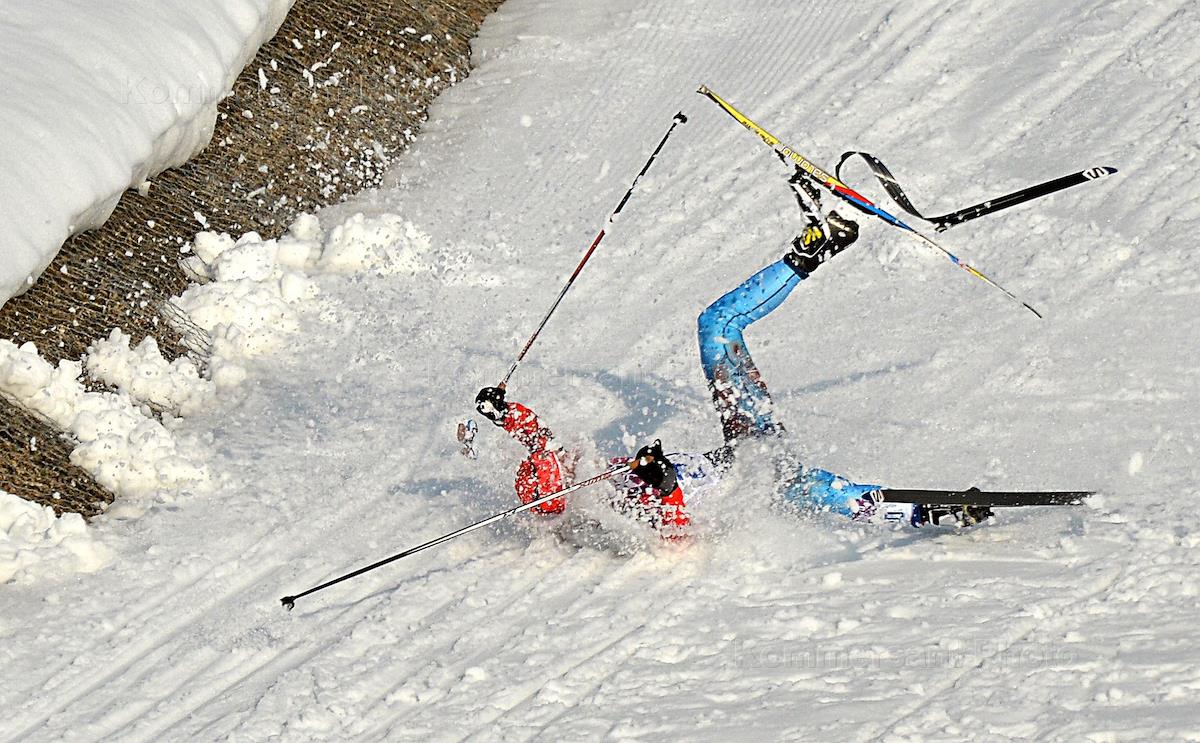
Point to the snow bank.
(31, 535)
(131, 454)
(99, 97)
(249, 304)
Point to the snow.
(335, 449)
(101, 97)
(31, 535)
(142, 373)
(130, 453)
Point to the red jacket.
(539, 474)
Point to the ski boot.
(814, 246)
(962, 515)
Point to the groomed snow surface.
(98, 97)
(346, 351)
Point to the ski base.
(977, 497)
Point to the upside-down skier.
(658, 488)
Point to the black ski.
(892, 185)
(977, 497)
(947, 221)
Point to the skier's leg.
(740, 395)
(823, 490)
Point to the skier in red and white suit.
(649, 492)
(541, 472)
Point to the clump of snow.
(100, 97)
(386, 244)
(142, 373)
(248, 304)
(244, 306)
(129, 453)
(253, 286)
(31, 535)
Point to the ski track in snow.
(1055, 624)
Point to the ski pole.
(678, 119)
(844, 192)
(290, 601)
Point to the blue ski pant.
(741, 396)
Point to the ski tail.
(977, 497)
(891, 184)
(946, 221)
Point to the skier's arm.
(521, 422)
(524, 426)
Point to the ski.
(849, 195)
(946, 221)
(891, 184)
(983, 498)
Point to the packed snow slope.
(98, 97)
(887, 365)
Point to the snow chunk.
(248, 305)
(1136, 462)
(31, 535)
(385, 244)
(130, 454)
(143, 374)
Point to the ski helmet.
(652, 466)
(491, 405)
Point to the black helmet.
(491, 405)
(653, 467)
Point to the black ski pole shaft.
(290, 601)
(678, 119)
(946, 221)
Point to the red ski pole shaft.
(529, 343)
(679, 118)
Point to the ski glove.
(491, 405)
